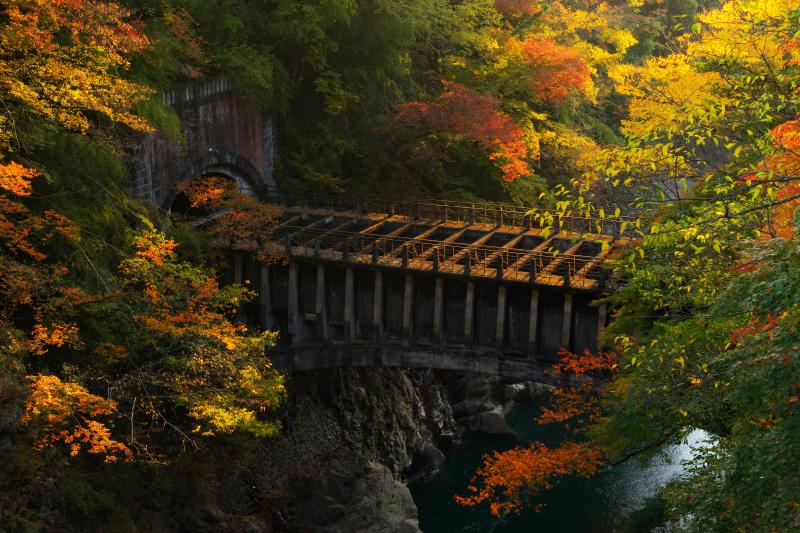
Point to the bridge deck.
(417, 287)
(521, 254)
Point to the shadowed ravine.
(601, 504)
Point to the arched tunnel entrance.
(197, 196)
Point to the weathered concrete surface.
(367, 316)
(320, 356)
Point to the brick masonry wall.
(218, 130)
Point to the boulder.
(349, 493)
(491, 423)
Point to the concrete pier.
(420, 313)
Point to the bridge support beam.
(601, 325)
(349, 307)
(377, 306)
(533, 323)
(438, 310)
(500, 332)
(567, 323)
(408, 307)
(334, 355)
(295, 322)
(469, 313)
(323, 332)
(266, 318)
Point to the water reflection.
(575, 505)
(633, 483)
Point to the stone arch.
(230, 165)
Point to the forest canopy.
(121, 349)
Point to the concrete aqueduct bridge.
(431, 284)
(408, 283)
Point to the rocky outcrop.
(348, 494)
(480, 402)
(348, 437)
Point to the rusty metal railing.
(463, 212)
(541, 266)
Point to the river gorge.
(387, 450)
(621, 498)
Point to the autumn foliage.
(756, 326)
(783, 165)
(209, 193)
(176, 345)
(118, 343)
(60, 59)
(465, 113)
(235, 220)
(517, 8)
(179, 300)
(59, 62)
(15, 179)
(158, 338)
(24, 272)
(508, 480)
(555, 70)
(214, 365)
(67, 414)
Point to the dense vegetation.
(706, 324)
(119, 351)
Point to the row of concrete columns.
(323, 329)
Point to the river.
(601, 504)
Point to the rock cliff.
(350, 439)
(349, 436)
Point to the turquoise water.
(600, 504)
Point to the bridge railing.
(546, 267)
(463, 212)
